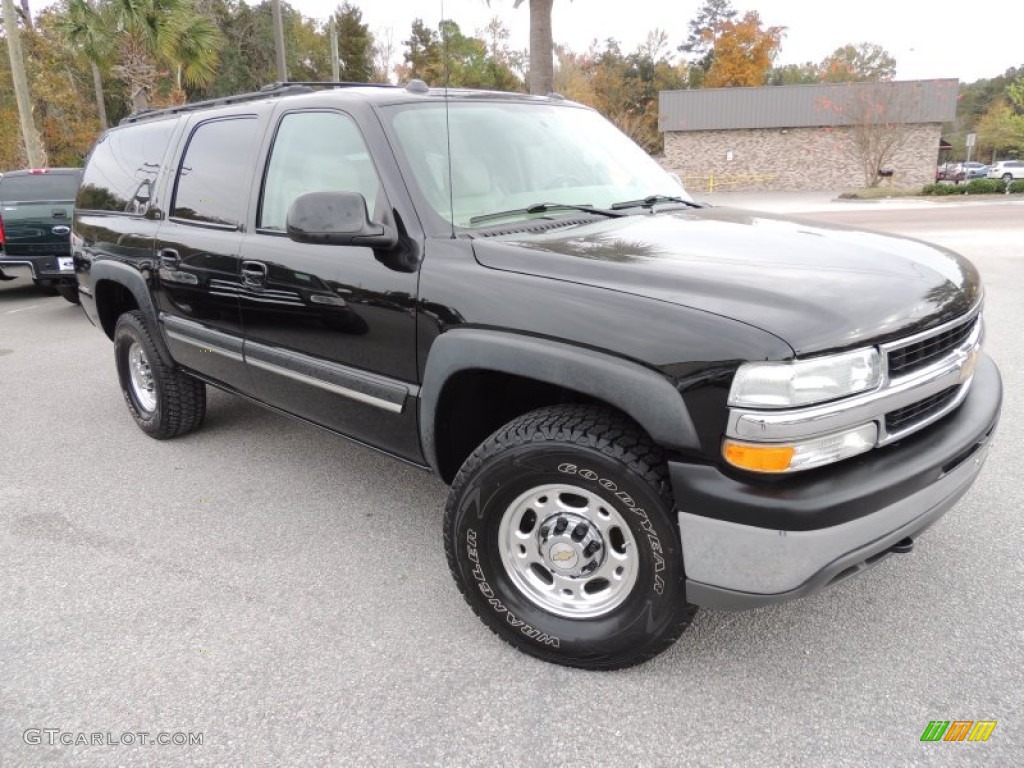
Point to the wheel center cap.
(563, 556)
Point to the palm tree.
(94, 42)
(542, 49)
(143, 35)
(35, 154)
(542, 71)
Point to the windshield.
(510, 157)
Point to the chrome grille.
(901, 418)
(919, 354)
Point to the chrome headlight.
(804, 382)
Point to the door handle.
(254, 274)
(169, 259)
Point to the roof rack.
(273, 90)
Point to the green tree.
(93, 43)
(142, 36)
(1000, 132)
(450, 57)
(795, 74)
(858, 63)
(699, 45)
(424, 56)
(355, 44)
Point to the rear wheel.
(559, 532)
(164, 401)
(70, 292)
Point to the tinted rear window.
(41, 186)
(213, 181)
(122, 167)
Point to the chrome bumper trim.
(766, 561)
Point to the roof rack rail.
(326, 84)
(267, 91)
(276, 89)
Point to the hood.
(816, 286)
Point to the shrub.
(939, 189)
(1017, 186)
(984, 187)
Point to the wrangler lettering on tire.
(559, 533)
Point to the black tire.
(70, 292)
(179, 401)
(1008, 177)
(46, 287)
(609, 458)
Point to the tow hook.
(903, 546)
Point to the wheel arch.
(119, 288)
(463, 365)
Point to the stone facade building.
(806, 137)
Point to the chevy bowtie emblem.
(565, 554)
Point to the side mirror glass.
(336, 218)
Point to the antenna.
(447, 121)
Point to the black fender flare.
(643, 394)
(132, 280)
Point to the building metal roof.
(799, 106)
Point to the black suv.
(642, 404)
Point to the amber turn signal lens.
(760, 458)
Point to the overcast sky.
(929, 38)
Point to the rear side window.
(122, 168)
(213, 180)
(56, 187)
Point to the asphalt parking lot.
(285, 594)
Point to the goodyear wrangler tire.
(163, 401)
(560, 534)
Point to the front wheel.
(560, 534)
(1007, 177)
(162, 400)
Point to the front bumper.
(746, 545)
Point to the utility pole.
(335, 64)
(282, 72)
(34, 152)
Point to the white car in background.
(1007, 170)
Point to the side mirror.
(336, 218)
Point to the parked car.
(1007, 170)
(35, 227)
(958, 172)
(973, 170)
(641, 404)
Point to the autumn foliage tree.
(743, 52)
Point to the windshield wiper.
(653, 200)
(543, 208)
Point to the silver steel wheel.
(143, 386)
(568, 550)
